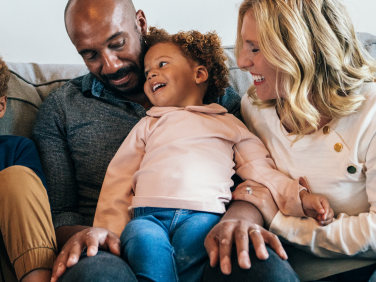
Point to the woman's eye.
(146, 74)
(255, 50)
(161, 64)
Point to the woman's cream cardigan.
(339, 162)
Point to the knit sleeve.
(115, 199)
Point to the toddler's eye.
(161, 64)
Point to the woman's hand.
(260, 197)
(241, 223)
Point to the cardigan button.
(351, 169)
(326, 130)
(338, 147)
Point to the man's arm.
(49, 135)
(241, 223)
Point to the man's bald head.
(128, 6)
(108, 36)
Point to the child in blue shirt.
(25, 218)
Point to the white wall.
(33, 31)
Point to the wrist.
(303, 193)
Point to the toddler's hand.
(317, 207)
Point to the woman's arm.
(345, 236)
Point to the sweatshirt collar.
(207, 109)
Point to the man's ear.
(202, 74)
(3, 105)
(142, 24)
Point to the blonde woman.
(313, 104)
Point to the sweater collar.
(207, 109)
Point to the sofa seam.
(42, 84)
(369, 44)
(22, 100)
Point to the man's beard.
(133, 68)
(137, 88)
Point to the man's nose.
(111, 64)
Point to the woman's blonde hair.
(319, 61)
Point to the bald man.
(81, 126)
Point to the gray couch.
(31, 83)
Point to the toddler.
(174, 168)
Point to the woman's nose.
(245, 60)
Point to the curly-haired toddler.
(174, 168)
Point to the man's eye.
(118, 44)
(91, 56)
(161, 64)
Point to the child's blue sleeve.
(26, 155)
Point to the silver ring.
(249, 190)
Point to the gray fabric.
(240, 80)
(29, 85)
(369, 42)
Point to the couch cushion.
(29, 85)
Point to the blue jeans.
(162, 244)
(104, 267)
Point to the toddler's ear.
(202, 74)
(3, 105)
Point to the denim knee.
(104, 267)
(272, 269)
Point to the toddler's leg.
(146, 247)
(188, 241)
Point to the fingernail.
(244, 259)
(226, 269)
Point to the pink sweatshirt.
(184, 158)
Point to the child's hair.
(204, 49)
(4, 78)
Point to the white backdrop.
(33, 30)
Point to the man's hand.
(91, 238)
(317, 206)
(239, 225)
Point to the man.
(81, 125)
(26, 230)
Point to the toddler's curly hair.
(204, 49)
(4, 78)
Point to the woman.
(314, 106)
